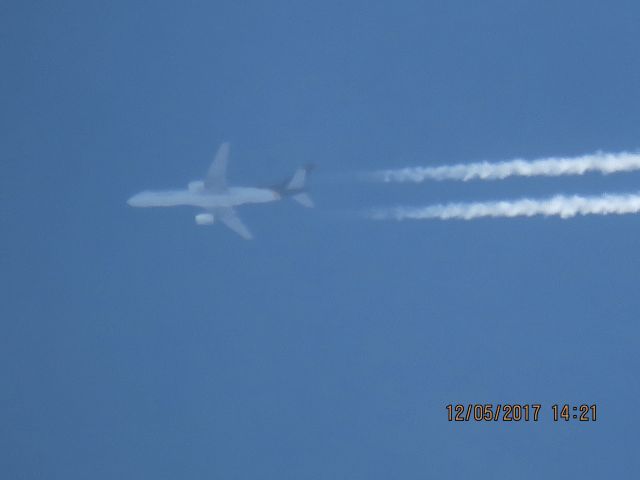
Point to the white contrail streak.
(559, 205)
(551, 167)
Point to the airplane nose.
(134, 201)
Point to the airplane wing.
(216, 179)
(228, 216)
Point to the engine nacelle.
(196, 186)
(205, 219)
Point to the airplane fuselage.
(231, 197)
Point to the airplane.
(218, 200)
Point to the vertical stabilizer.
(298, 180)
(295, 187)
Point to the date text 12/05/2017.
(519, 412)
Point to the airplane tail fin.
(295, 187)
(299, 178)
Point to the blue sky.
(134, 344)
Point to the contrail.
(559, 205)
(551, 167)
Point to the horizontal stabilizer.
(303, 199)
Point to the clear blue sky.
(135, 344)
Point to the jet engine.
(205, 219)
(196, 186)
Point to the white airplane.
(218, 200)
